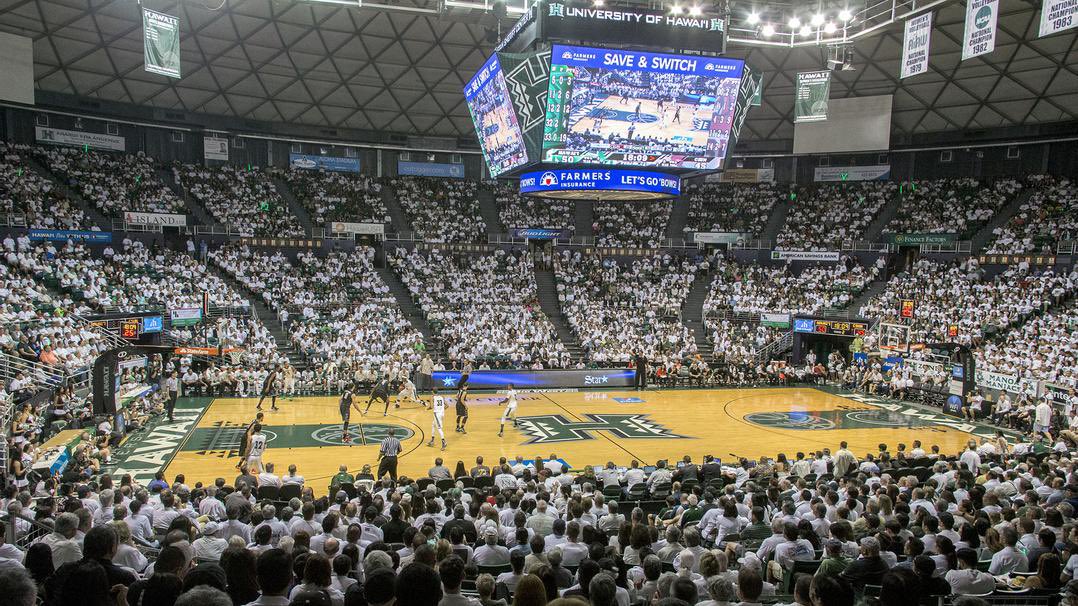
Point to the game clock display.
(841, 328)
(616, 107)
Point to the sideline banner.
(811, 96)
(1011, 383)
(915, 45)
(163, 219)
(161, 43)
(1057, 16)
(540, 233)
(804, 255)
(78, 138)
(979, 37)
(63, 235)
(342, 227)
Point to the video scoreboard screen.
(495, 120)
(617, 107)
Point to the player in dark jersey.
(380, 391)
(677, 115)
(346, 412)
(247, 436)
(462, 409)
(269, 388)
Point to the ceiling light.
(768, 30)
(675, 9)
(845, 15)
(695, 11)
(829, 28)
(753, 18)
(598, 2)
(794, 23)
(817, 20)
(805, 30)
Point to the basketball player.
(269, 388)
(677, 115)
(380, 391)
(510, 408)
(246, 440)
(437, 424)
(289, 374)
(636, 114)
(408, 392)
(254, 452)
(462, 409)
(346, 411)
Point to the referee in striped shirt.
(387, 456)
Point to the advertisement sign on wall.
(185, 316)
(742, 175)
(327, 163)
(63, 235)
(78, 138)
(342, 227)
(853, 173)
(430, 169)
(539, 379)
(804, 255)
(812, 95)
(164, 219)
(921, 238)
(538, 233)
(720, 237)
(214, 148)
(557, 180)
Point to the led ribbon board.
(600, 183)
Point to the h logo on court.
(556, 428)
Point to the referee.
(387, 456)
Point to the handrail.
(1066, 247)
(958, 246)
(13, 220)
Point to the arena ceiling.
(331, 65)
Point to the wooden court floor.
(581, 428)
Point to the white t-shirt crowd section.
(236, 197)
(335, 196)
(730, 207)
(631, 223)
(958, 206)
(484, 306)
(617, 308)
(335, 308)
(442, 210)
(1047, 217)
(957, 294)
(518, 211)
(1045, 348)
(24, 192)
(113, 182)
(833, 214)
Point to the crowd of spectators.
(245, 200)
(730, 207)
(832, 214)
(113, 182)
(24, 192)
(441, 210)
(1049, 216)
(615, 308)
(484, 307)
(957, 206)
(639, 223)
(1043, 348)
(336, 196)
(518, 211)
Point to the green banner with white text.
(813, 91)
(161, 43)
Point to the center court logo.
(556, 428)
(548, 179)
(373, 432)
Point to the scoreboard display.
(839, 328)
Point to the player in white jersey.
(510, 408)
(257, 446)
(407, 392)
(437, 424)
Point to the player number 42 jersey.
(438, 405)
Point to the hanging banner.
(215, 148)
(979, 37)
(161, 43)
(164, 219)
(810, 98)
(1058, 16)
(78, 138)
(853, 173)
(371, 229)
(915, 45)
(327, 163)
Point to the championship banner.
(371, 229)
(327, 163)
(810, 98)
(775, 320)
(804, 255)
(63, 235)
(853, 173)
(913, 239)
(163, 219)
(215, 148)
(915, 45)
(185, 316)
(979, 37)
(1010, 383)
(720, 237)
(1058, 16)
(161, 43)
(78, 138)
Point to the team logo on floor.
(861, 418)
(370, 432)
(223, 438)
(544, 429)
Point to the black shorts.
(346, 413)
(462, 409)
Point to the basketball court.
(680, 123)
(581, 428)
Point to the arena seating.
(635, 224)
(616, 308)
(518, 211)
(334, 196)
(441, 210)
(1046, 218)
(244, 200)
(833, 214)
(24, 192)
(1044, 348)
(484, 307)
(958, 206)
(730, 207)
(113, 182)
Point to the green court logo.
(546, 429)
(372, 433)
(865, 418)
(789, 420)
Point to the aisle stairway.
(874, 288)
(546, 288)
(294, 205)
(583, 218)
(488, 207)
(411, 311)
(92, 213)
(399, 223)
(775, 222)
(692, 313)
(1005, 214)
(888, 212)
(679, 214)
